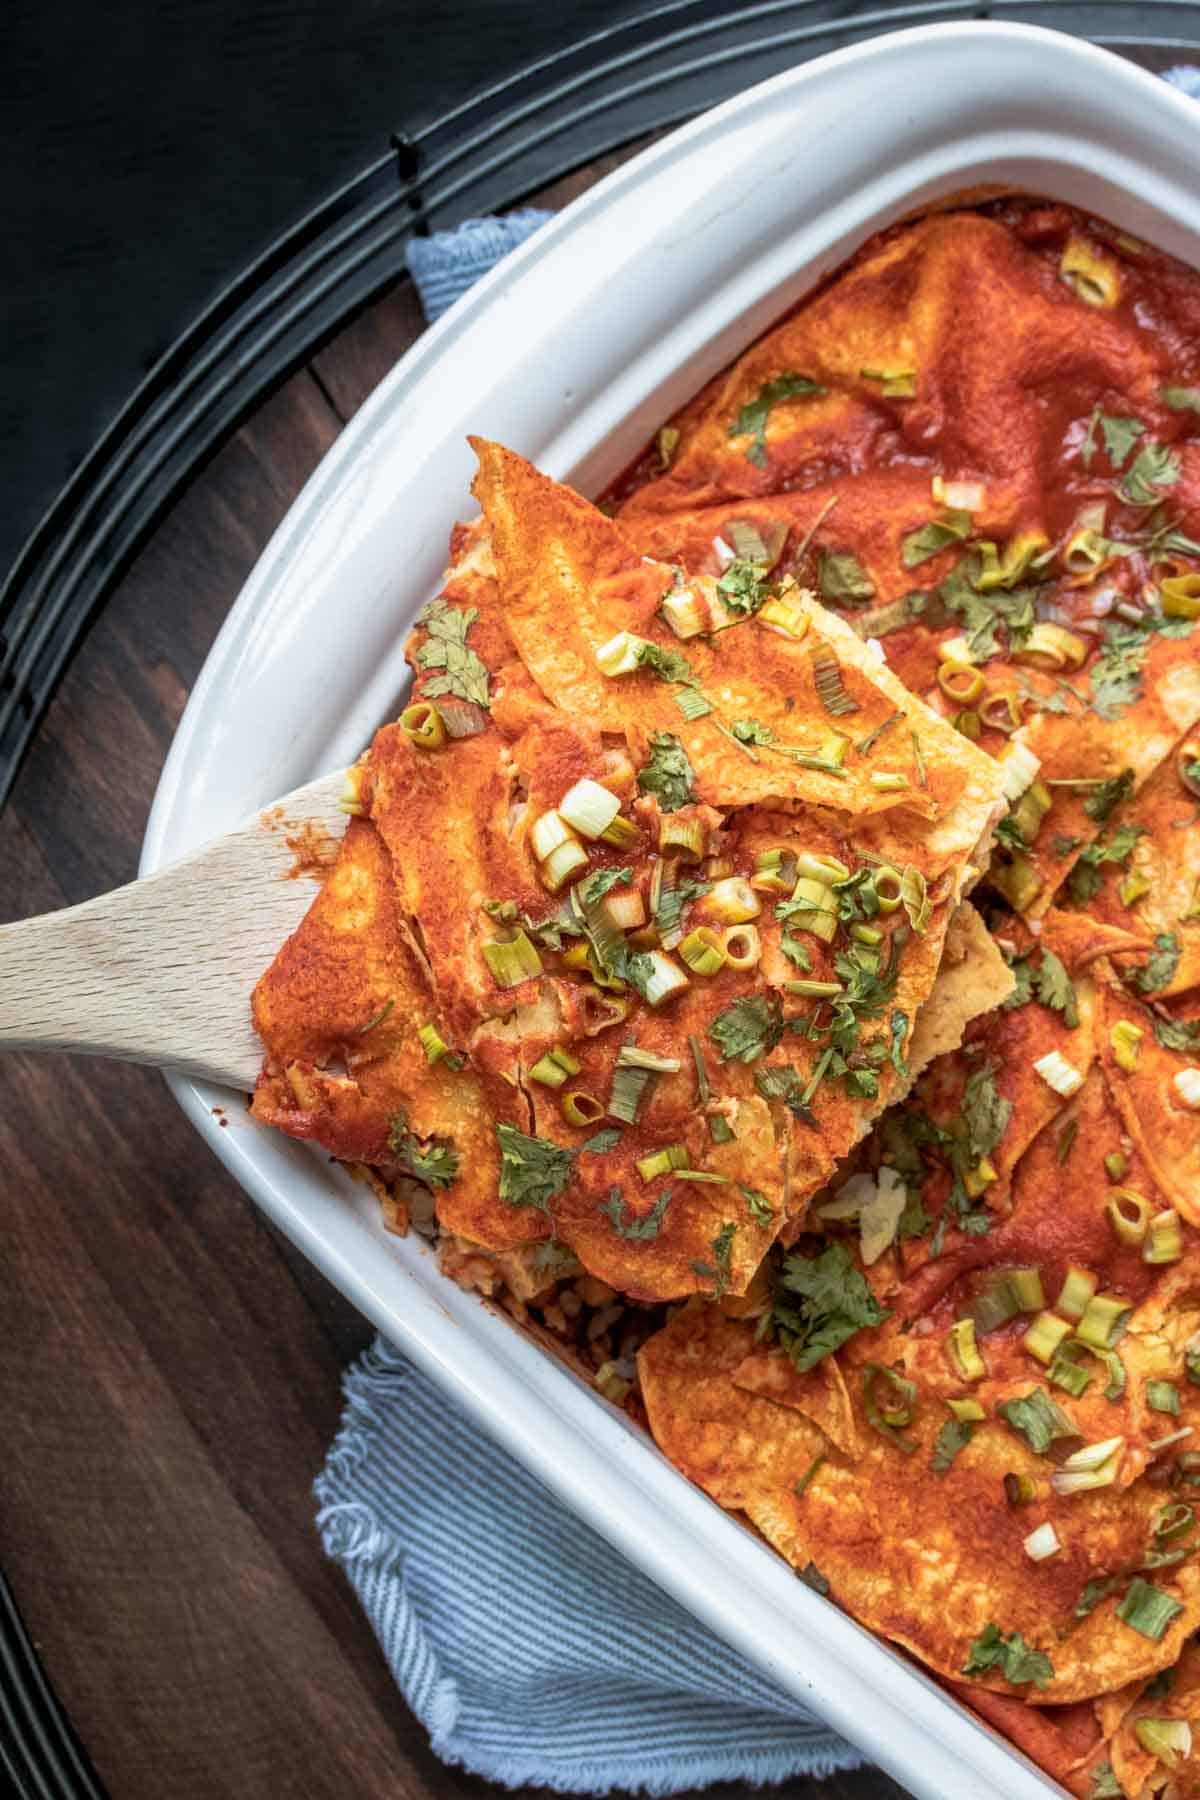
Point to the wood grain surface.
(171, 1372)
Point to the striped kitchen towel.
(530, 1651)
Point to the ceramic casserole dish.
(573, 352)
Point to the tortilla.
(1165, 1130)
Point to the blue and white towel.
(529, 1650)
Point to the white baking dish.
(573, 352)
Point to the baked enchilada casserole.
(765, 954)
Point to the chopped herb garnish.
(1056, 990)
(719, 1270)
(780, 1081)
(607, 879)
(1105, 1785)
(1022, 994)
(668, 665)
(693, 704)
(1160, 967)
(672, 900)
(1066, 1140)
(1147, 1610)
(819, 1303)
(872, 738)
(1039, 1419)
(532, 1171)
(638, 1229)
(747, 1029)
(984, 1112)
(668, 775)
(1181, 399)
(752, 419)
(606, 1139)
(840, 576)
(954, 1436)
(750, 731)
(1106, 796)
(437, 1164)
(1120, 435)
(807, 1476)
(898, 1025)
(831, 688)
(446, 648)
(744, 587)
(1152, 468)
(1177, 1034)
(797, 952)
(918, 546)
(1011, 1655)
(760, 1211)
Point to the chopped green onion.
(622, 832)
(1147, 1610)
(833, 748)
(683, 832)
(1019, 882)
(1077, 1289)
(1102, 1320)
(1095, 1466)
(719, 1129)
(993, 1306)
(1115, 1165)
(1162, 1396)
(889, 1417)
(819, 867)
(807, 1476)
(1027, 1286)
(665, 978)
(742, 946)
(1187, 1084)
(1164, 1243)
(562, 864)
(1125, 1037)
(685, 612)
(831, 689)
(967, 1412)
(693, 704)
(630, 1057)
(1166, 1739)
(888, 884)
(887, 781)
(1069, 1375)
(513, 961)
(1031, 809)
(732, 901)
(628, 1090)
(548, 832)
(701, 1175)
(662, 1162)
(624, 910)
(1059, 1074)
(816, 990)
(433, 1043)
(960, 682)
(589, 808)
(553, 1069)
(964, 1352)
(866, 934)
(1045, 1335)
(620, 655)
(1042, 1543)
(1038, 1418)
(976, 1180)
(1067, 1368)
(423, 726)
(581, 1108)
(1174, 1521)
(816, 908)
(1019, 1490)
(1129, 1215)
(702, 951)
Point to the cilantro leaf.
(751, 421)
(1177, 1034)
(1153, 467)
(898, 1026)
(797, 952)
(1103, 800)
(1038, 1418)
(1160, 967)
(747, 1029)
(760, 1211)
(744, 586)
(1120, 435)
(719, 1270)
(781, 1081)
(437, 1164)
(668, 774)
(984, 1113)
(1009, 832)
(606, 1139)
(1011, 1655)
(668, 665)
(1181, 399)
(954, 1436)
(918, 546)
(1056, 990)
(1105, 1785)
(820, 1303)
(1022, 994)
(1116, 677)
(750, 731)
(639, 1230)
(532, 1171)
(607, 879)
(446, 648)
(840, 576)
(672, 900)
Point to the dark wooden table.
(171, 1367)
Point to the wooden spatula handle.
(161, 971)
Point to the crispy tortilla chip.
(899, 1544)
(347, 990)
(820, 1393)
(570, 583)
(973, 979)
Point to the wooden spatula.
(161, 971)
